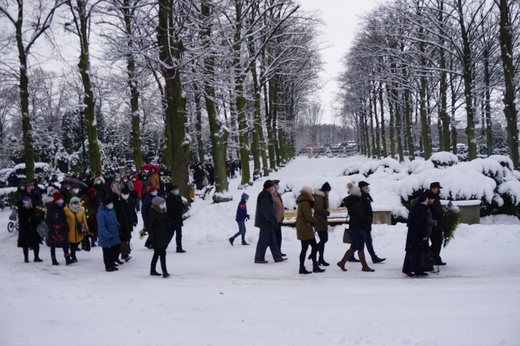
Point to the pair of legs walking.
(68, 260)
(111, 257)
(241, 232)
(358, 244)
(314, 249)
(267, 239)
(159, 254)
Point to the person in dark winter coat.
(108, 234)
(359, 218)
(438, 215)
(305, 222)
(265, 219)
(138, 192)
(160, 235)
(27, 223)
(321, 212)
(367, 202)
(241, 218)
(417, 236)
(91, 208)
(58, 236)
(127, 218)
(175, 209)
(145, 210)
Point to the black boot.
(154, 272)
(68, 260)
(231, 240)
(353, 259)
(303, 270)
(165, 275)
(244, 242)
(322, 262)
(316, 268)
(93, 242)
(54, 261)
(377, 260)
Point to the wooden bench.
(206, 192)
(337, 216)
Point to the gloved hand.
(247, 217)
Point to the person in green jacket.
(321, 212)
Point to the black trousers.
(110, 255)
(314, 249)
(278, 235)
(435, 248)
(159, 254)
(177, 231)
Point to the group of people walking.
(102, 211)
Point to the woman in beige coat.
(305, 222)
(78, 226)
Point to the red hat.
(91, 192)
(57, 196)
(152, 189)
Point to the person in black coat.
(145, 209)
(127, 218)
(367, 202)
(266, 220)
(437, 215)
(175, 208)
(27, 223)
(359, 218)
(417, 236)
(58, 236)
(159, 231)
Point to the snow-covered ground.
(218, 296)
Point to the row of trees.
(419, 65)
(172, 80)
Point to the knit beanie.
(107, 200)
(157, 200)
(326, 187)
(91, 192)
(151, 189)
(57, 196)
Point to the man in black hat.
(266, 220)
(175, 209)
(366, 200)
(437, 215)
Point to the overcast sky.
(340, 19)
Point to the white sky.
(340, 19)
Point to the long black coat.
(417, 228)
(360, 218)
(145, 208)
(174, 210)
(58, 227)
(126, 216)
(158, 227)
(265, 217)
(437, 215)
(27, 223)
(367, 200)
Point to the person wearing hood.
(78, 227)
(27, 223)
(359, 217)
(160, 235)
(108, 234)
(175, 209)
(419, 225)
(241, 218)
(152, 192)
(321, 212)
(58, 236)
(305, 222)
(100, 186)
(127, 218)
(265, 220)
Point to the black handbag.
(426, 260)
(85, 244)
(347, 239)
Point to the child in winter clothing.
(241, 218)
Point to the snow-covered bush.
(444, 159)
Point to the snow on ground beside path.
(218, 296)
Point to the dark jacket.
(127, 217)
(108, 227)
(359, 217)
(437, 215)
(159, 230)
(242, 208)
(174, 210)
(265, 217)
(56, 221)
(417, 228)
(321, 210)
(27, 223)
(367, 204)
(145, 209)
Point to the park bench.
(203, 193)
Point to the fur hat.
(353, 189)
(157, 200)
(306, 190)
(268, 183)
(326, 187)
